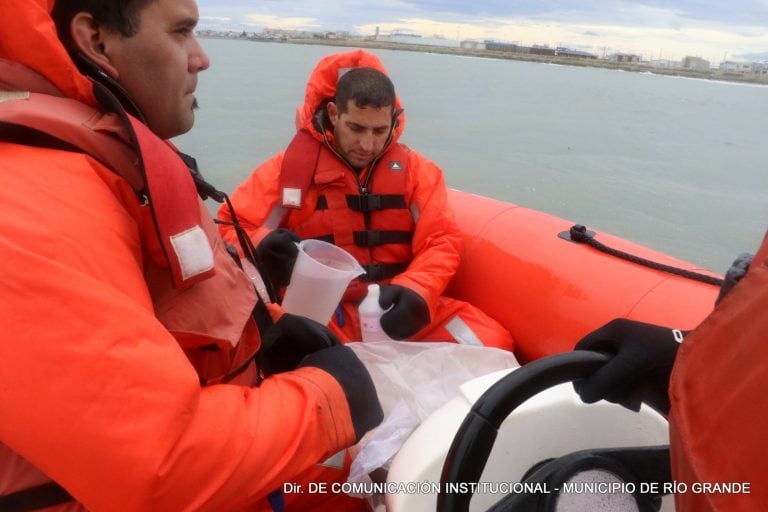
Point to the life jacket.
(368, 216)
(718, 416)
(189, 267)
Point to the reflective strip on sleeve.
(462, 333)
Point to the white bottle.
(369, 311)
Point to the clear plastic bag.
(412, 381)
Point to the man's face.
(158, 65)
(360, 132)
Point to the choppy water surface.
(676, 164)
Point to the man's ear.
(93, 41)
(333, 112)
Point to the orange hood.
(322, 86)
(28, 37)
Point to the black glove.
(409, 313)
(277, 253)
(286, 343)
(342, 363)
(640, 368)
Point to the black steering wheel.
(475, 438)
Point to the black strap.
(246, 245)
(373, 202)
(35, 498)
(372, 237)
(204, 189)
(368, 202)
(375, 272)
(322, 203)
(260, 313)
(26, 136)
(264, 322)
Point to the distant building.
(666, 64)
(280, 32)
(695, 63)
(406, 38)
(225, 34)
(496, 46)
(541, 50)
(337, 35)
(625, 57)
(472, 45)
(533, 50)
(574, 54)
(737, 67)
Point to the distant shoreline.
(712, 74)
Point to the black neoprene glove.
(342, 363)
(640, 368)
(277, 254)
(292, 337)
(409, 313)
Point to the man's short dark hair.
(367, 87)
(119, 15)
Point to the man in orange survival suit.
(345, 179)
(715, 382)
(127, 379)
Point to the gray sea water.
(675, 164)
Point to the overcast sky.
(712, 29)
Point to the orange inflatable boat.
(549, 285)
(549, 292)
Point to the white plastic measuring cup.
(320, 276)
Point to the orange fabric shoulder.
(718, 418)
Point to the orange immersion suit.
(107, 334)
(393, 217)
(718, 416)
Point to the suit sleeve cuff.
(344, 366)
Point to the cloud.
(282, 22)
(675, 28)
(753, 56)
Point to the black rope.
(579, 233)
(246, 245)
(260, 312)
